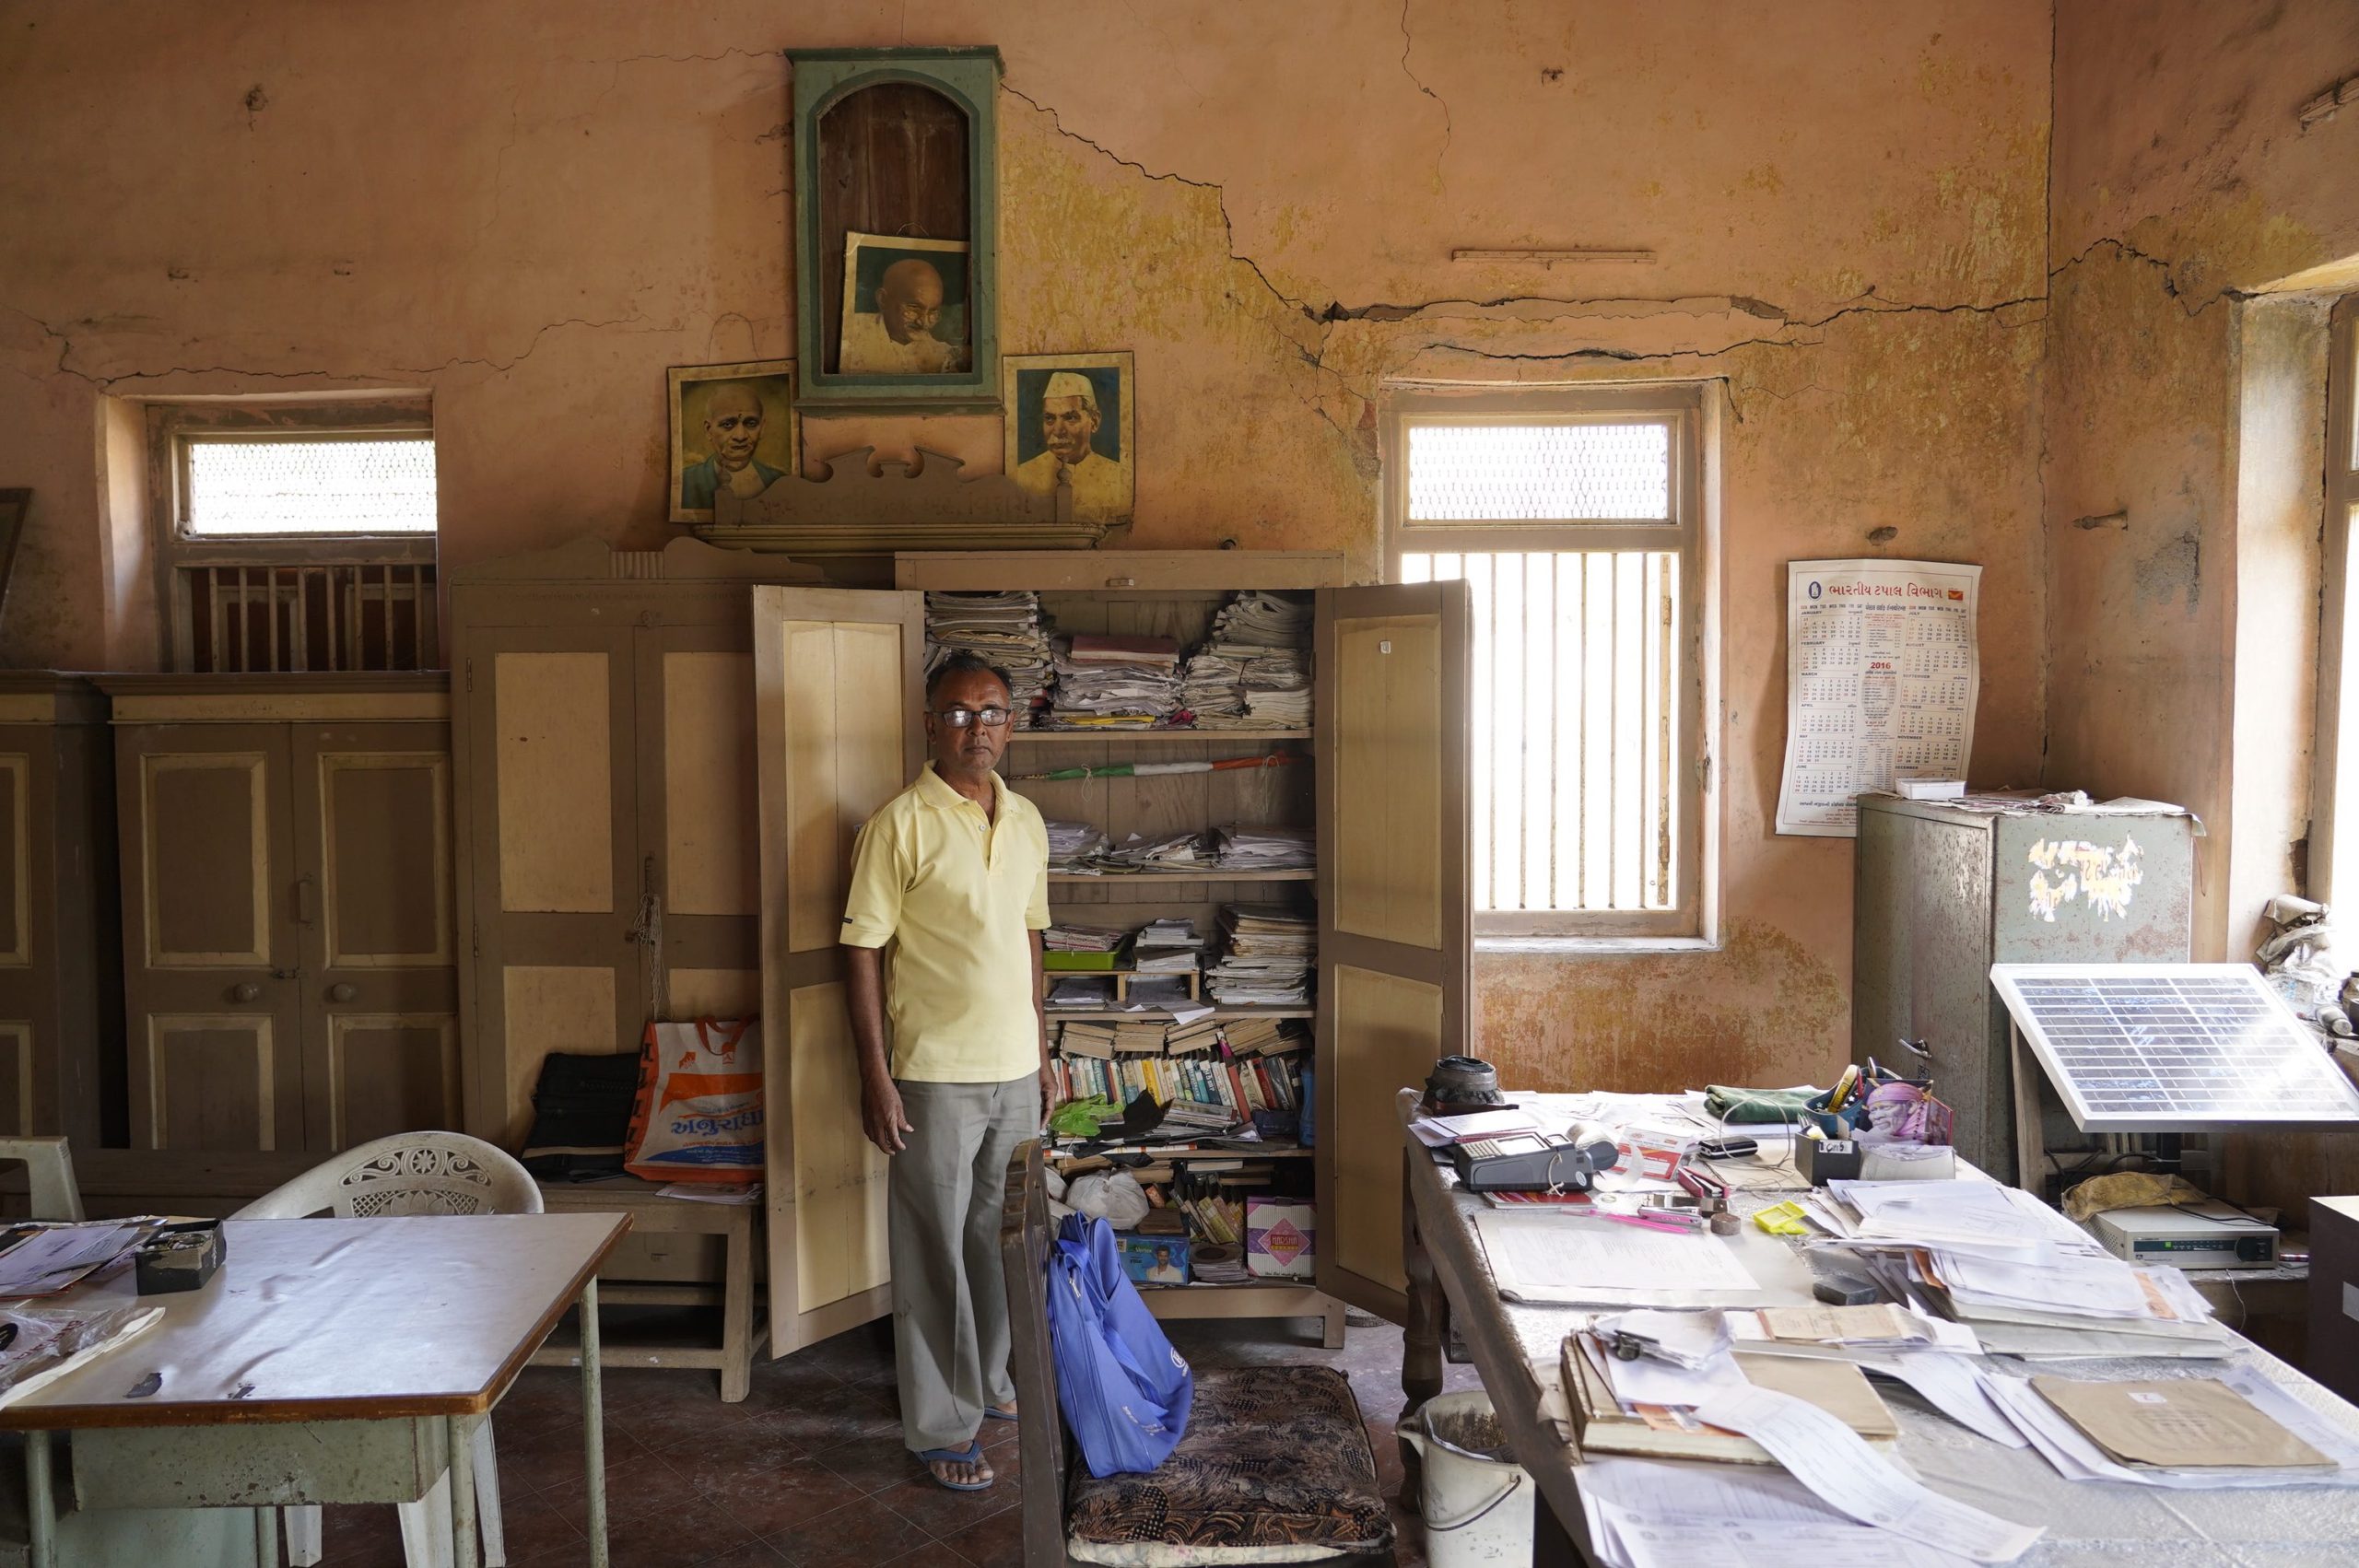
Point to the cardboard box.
(1280, 1237)
(1155, 1260)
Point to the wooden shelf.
(1306, 874)
(1198, 736)
(1260, 1298)
(1163, 1014)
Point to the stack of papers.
(1665, 1514)
(1165, 947)
(1246, 848)
(1073, 846)
(1171, 852)
(1004, 628)
(2198, 1434)
(1092, 992)
(48, 1258)
(1271, 952)
(1255, 668)
(2029, 1281)
(1067, 937)
(1119, 681)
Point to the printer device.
(2210, 1234)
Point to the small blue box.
(1154, 1260)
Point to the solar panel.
(2173, 1048)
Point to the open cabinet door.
(837, 678)
(1394, 911)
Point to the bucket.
(1477, 1500)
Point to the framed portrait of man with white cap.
(1068, 423)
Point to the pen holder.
(1833, 1124)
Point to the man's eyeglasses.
(961, 718)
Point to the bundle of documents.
(1255, 668)
(1171, 852)
(1212, 690)
(1270, 954)
(1091, 992)
(1068, 936)
(1004, 628)
(2030, 1281)
(1115, 681)
(1073, 846)
(1646, 1406)
(1249, 848)
(1165, 947)
(2236, 1430)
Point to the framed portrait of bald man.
(733, 429)
(1068, 423)
(905, 306)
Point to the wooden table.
(329, 1360)
(1450, 1289)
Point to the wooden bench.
(1244, 1476)
(653, 1218)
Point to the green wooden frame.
(969, 78)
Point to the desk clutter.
(1717, 1381)
(1252, 671)
(40, 1343)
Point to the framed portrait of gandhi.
(733, 428)
(1069, 421)
(905, 306)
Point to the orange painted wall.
(530, 209)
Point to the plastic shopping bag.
(1125, 1392)
(698, 1114)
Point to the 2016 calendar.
(1882, 673)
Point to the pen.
(1648, 1224)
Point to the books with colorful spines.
(1249, 1087)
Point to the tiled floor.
(809, 1471)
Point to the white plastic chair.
(410, 1172)
(49, 1170)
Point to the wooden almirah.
(289, 947)
(839, 678)
(61, 1024)
(603, 712)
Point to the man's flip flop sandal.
(970, 1455)
(996, 1413)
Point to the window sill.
(1594, 946)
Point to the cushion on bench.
(1275, 1468)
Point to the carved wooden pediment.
(868, 506)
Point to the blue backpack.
(1123, 1390)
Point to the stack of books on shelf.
(1270, 954)
(1004, 628)
(1213, 1073)
(1251, 849)
(1070, 946)
(1114, 683)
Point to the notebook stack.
(1249, 849)
(1171, 852)
(1165, 947)
(1114, 683)
(1004, 628)
(1269, 952)
(1270, 638)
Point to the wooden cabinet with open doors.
(840, 677)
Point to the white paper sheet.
(1668, 1513)
(1952, 1385)
(1566, 1260)
(1834, 1461)
(1881, 678)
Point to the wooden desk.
(1450, 1288)
(329, 1360)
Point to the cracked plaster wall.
(2184, 394)
(531, 210)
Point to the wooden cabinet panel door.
(558, 886)
(838, 683)
(213, 971)
(1394, 911)
(699, 843)
(27, 1013)
(372, 808)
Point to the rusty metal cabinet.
(1945, 891)
(289, 949)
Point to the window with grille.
(297, 539)
(1572, 521)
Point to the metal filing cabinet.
(1944, 892)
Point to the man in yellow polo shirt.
(954, 873)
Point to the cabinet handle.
(1122, 582)
(340, 992)
(304, 914)
(245, 991)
